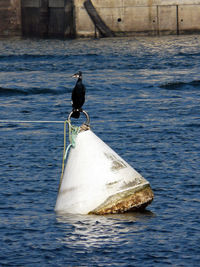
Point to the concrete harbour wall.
(140, 17)
(10, 18)
(89, 18)
(47, 18)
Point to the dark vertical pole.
(69, 28)
(177, 20)
(44, 18)
(95, 31)
(158, 24)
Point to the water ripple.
(143, 100)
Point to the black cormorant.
(78, 96)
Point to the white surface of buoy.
(93, 174)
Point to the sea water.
(143, 98)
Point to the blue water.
(143, 98)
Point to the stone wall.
(10, 14)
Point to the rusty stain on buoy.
(130, 200)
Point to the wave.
(27, 56)
(180, 85)
(189, 54)
(192, 125)
(47, 56)
(32, 91)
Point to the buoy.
(97, 180)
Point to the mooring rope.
(15, 121)
(64, 152)
(73, 132)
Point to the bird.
(78, 95)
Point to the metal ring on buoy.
(84, 112)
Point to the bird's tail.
(75, 114)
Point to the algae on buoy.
(97, 180)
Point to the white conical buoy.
(97, 180)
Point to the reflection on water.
(94, 230)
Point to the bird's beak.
(75, 75)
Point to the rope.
(73, 132)
(64, 152)
(13, 121)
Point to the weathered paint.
(97, 180)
